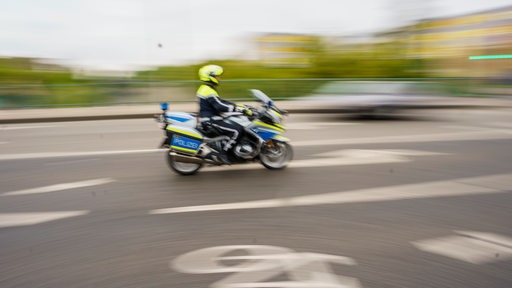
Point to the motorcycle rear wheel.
(182, 168)
(276, 156)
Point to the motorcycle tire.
(276, 156)
(182, 168)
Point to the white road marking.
(457, 187)
(470, 246)
(315, 125)
(72, 154)
(491, 128)
(505, 125)
(25, 127)
(369, 153)
(437, 137)
(24, 219)
(489, 237)
(342, 157)
(350, 157)
(263, 263)
(71, 162)
(475, 128)
(60, 187)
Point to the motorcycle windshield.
(262, 96)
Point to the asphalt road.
(422, 201)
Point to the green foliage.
(24, 82)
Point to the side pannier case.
(185, 140)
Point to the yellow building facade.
(450, 42)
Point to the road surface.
(423, 201)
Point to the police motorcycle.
(191, 146)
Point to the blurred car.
(372, 97)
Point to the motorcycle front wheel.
(182, 168)
(276, 155)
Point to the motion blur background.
(419, 200)
(78, 53)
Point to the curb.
(16, 116)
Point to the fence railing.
(136, 92)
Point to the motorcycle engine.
(245, 150)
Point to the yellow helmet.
(209, 72)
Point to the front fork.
(272, 146)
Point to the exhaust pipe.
(190, 159)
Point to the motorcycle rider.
(211, 106)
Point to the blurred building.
(446, 43)
(285, 50)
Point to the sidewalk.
(31, 115)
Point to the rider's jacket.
(210, 104)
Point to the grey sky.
(123, 34)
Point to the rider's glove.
(240, 107)
(244, 109)
(248, 112)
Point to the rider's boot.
(220, 157)
(219, 154)
(223, 157)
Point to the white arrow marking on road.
(360, 156)
(350, 157)
(342, 157)
(60, 187)
(470, 246)
(24, 219)
(489, 237)
(457, 187)
(262, 263)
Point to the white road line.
(71, 162)
(469, 246)
(72, 154)
(458, 187)
(371, 153)
(25, 127)
(315, 125)
(24, 219)
(505, 125)
(461, 127)
(60, 187)
(437, 137)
